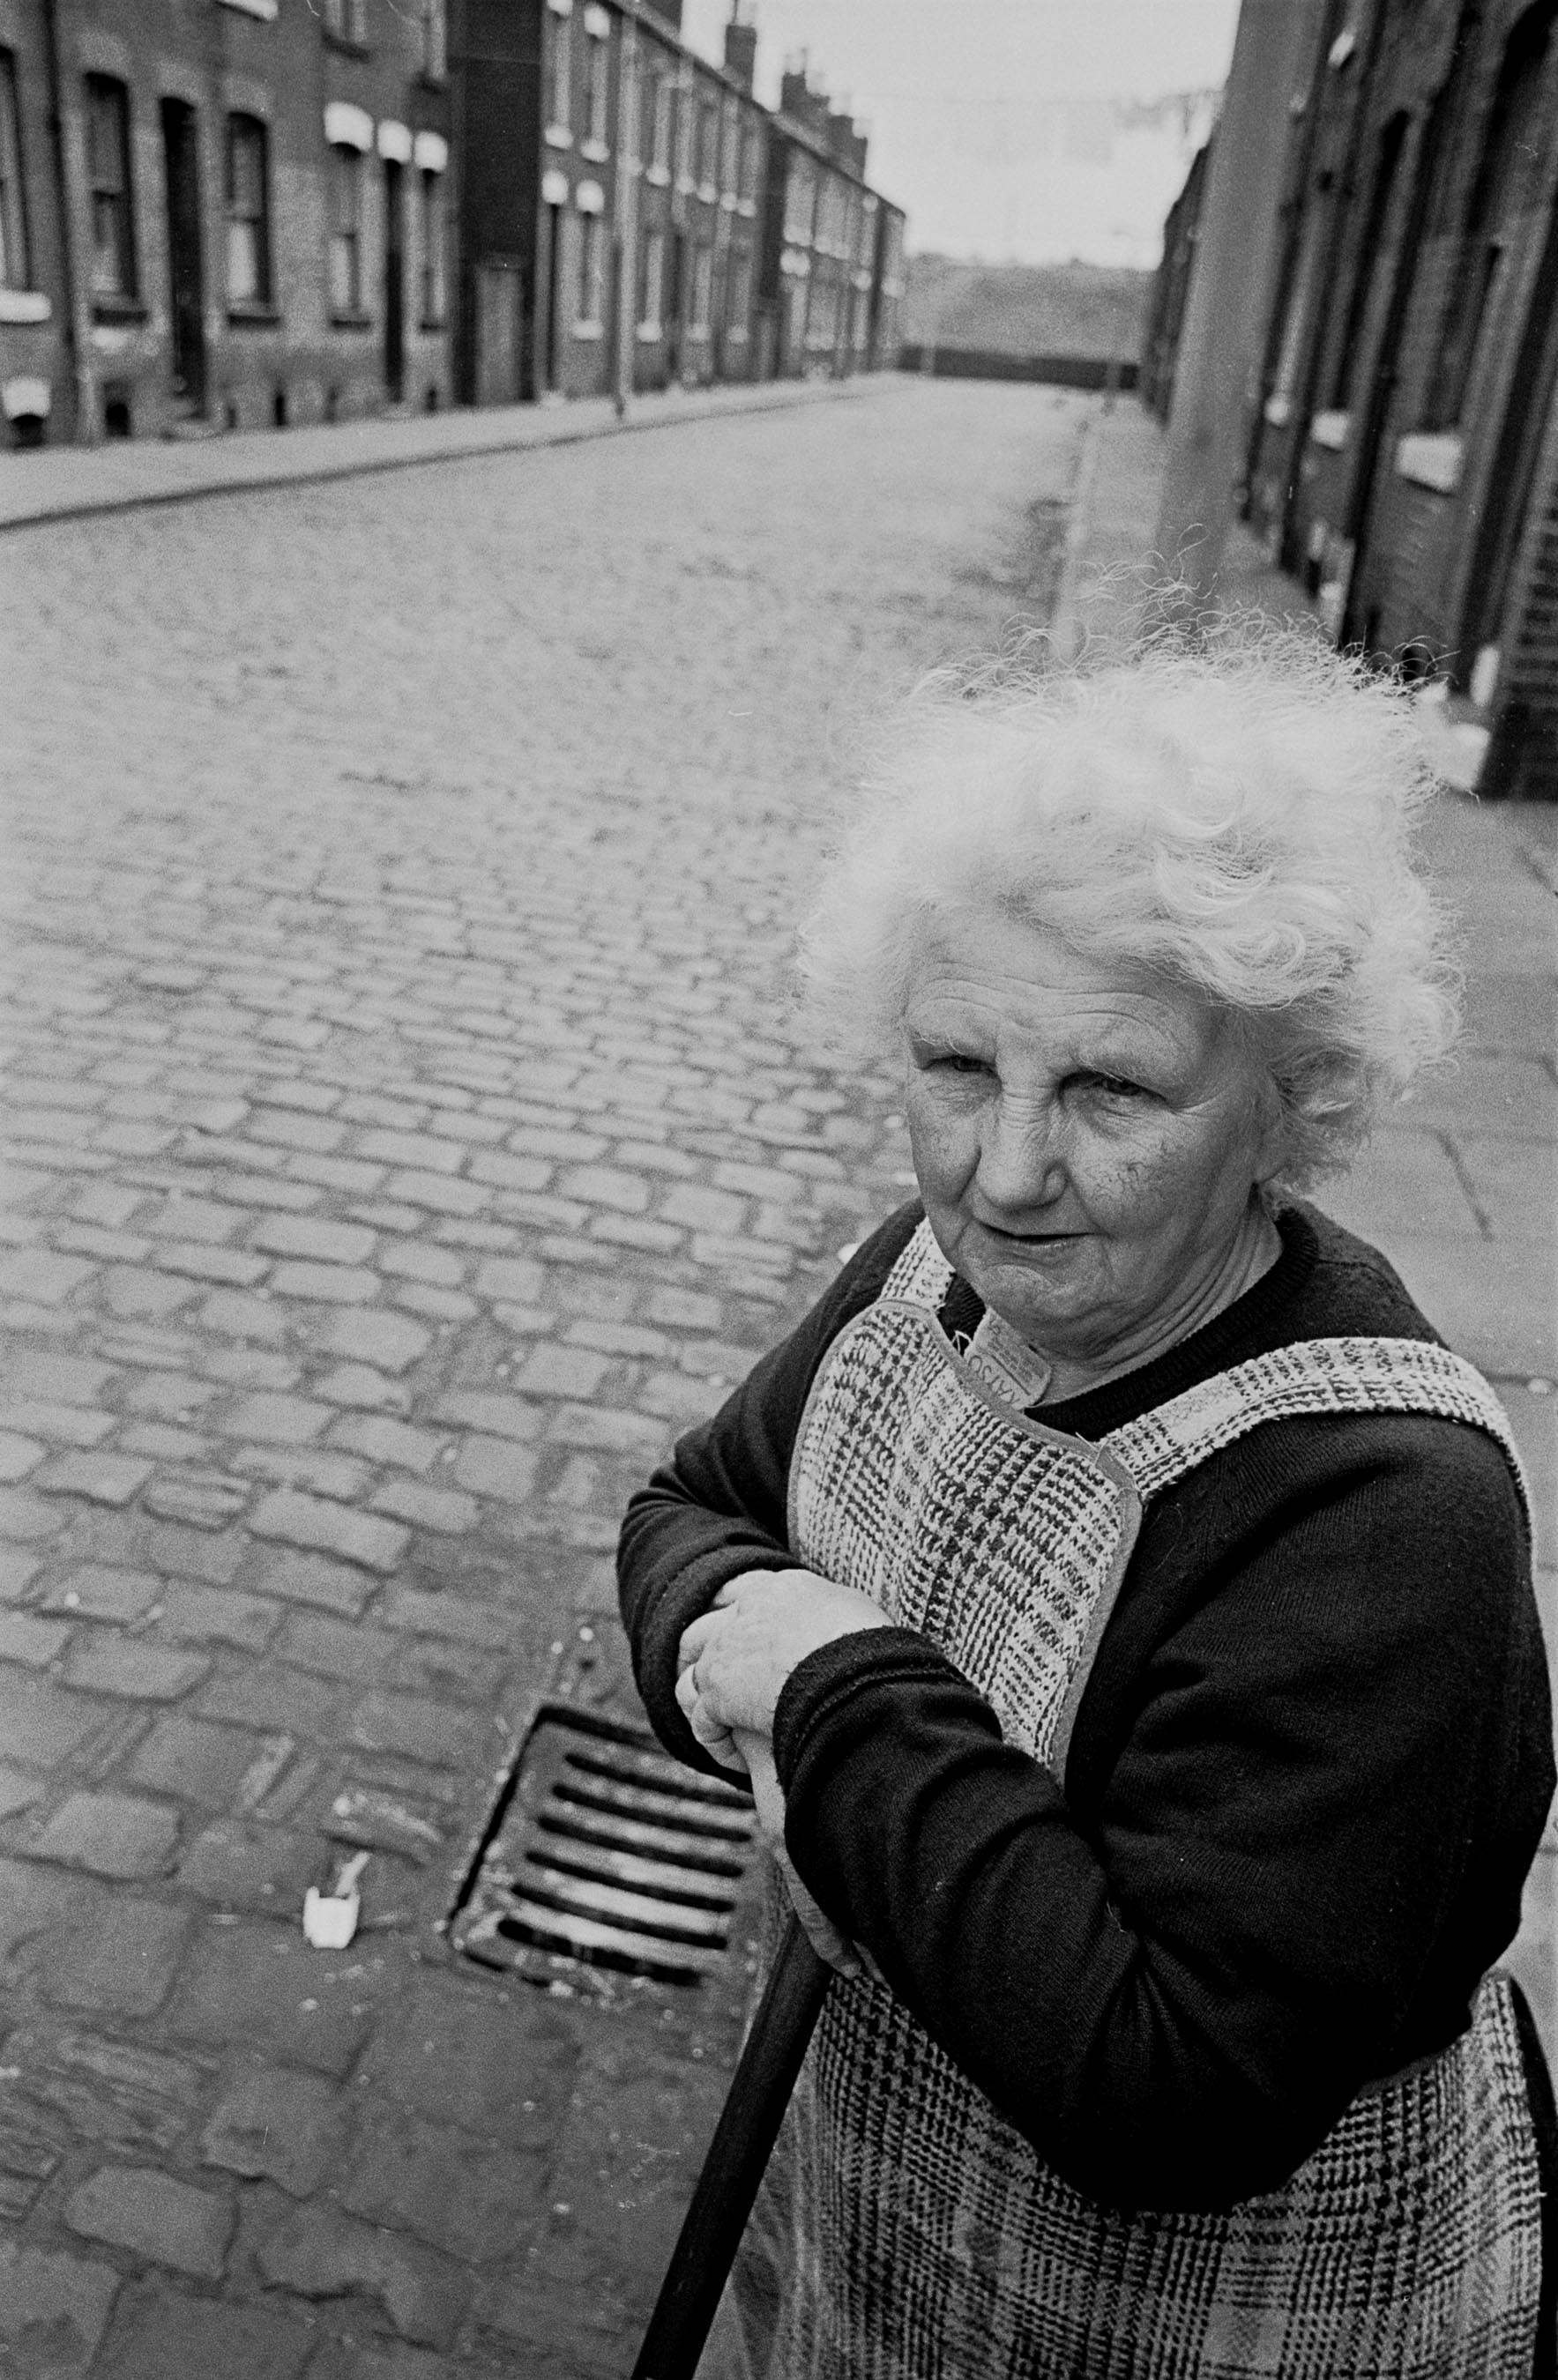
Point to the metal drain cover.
(605, 1853)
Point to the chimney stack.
(741, 51)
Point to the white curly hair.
(1232, 813)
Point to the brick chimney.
(795, 98)
(741, 51)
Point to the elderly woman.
(1119, 1596)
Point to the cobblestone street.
(409, 1136)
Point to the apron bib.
(905, 2232)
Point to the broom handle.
(743, 2143)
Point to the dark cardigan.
(1309, 1773)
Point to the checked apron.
(905, 2232)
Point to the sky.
(998, 123)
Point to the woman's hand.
(735, 1658)
(757, 1755)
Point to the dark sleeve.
(719, 1506)
(1173, 1984)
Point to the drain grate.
(605, 1853)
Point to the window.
(821, 329)
(591, 269)
(748, 178)
(730, 146)
(346, 231)
(739, 287)
(830, 215)
(799, 200)
(630, 107)
(108, 170)
(248, 234)
(347, 20)
(686, 103)
(708, 143)
(1511, 140)
(13, 267)
(703, 284)
(435, 39)
(430, 211)
(659, 143)
(559, 106)
(597, 79)
(1370, 259)
(651, 280)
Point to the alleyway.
(409, 1136)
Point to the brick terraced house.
(242, 222)
(831, 278)
(631, 217)
(1404, 446)
(259, 213)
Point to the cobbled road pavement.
(410, 1132)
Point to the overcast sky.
(985, 116)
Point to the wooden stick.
(739, 2154)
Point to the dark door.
(674, 300)
(395, 281)
(554, 289)
(1527, 410)
(498, 316)
(187, 294)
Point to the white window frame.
(254, 250)
(589, 302)
(560, 79)
(701, 300)
(597, 86)
(347, 242)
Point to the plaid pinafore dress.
(905, 2232)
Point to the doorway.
(394, 279)
(181, 162)
(1526, 411)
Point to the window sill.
(590, 330)
(426, 81)
(556, 136)
(727, 202)
(351, 321)
(345, 48)
(1431, 458)
(433, 322)
(660, 175)
(1278, 412)
(707, 194)
(594, 152)
(24, 305)
(256, 310)
(117, 310)
(1330, 430)
(264, 9)
(650, 333)
(746, 206)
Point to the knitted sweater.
(1307, 1779)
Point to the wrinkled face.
(1087, 1142)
